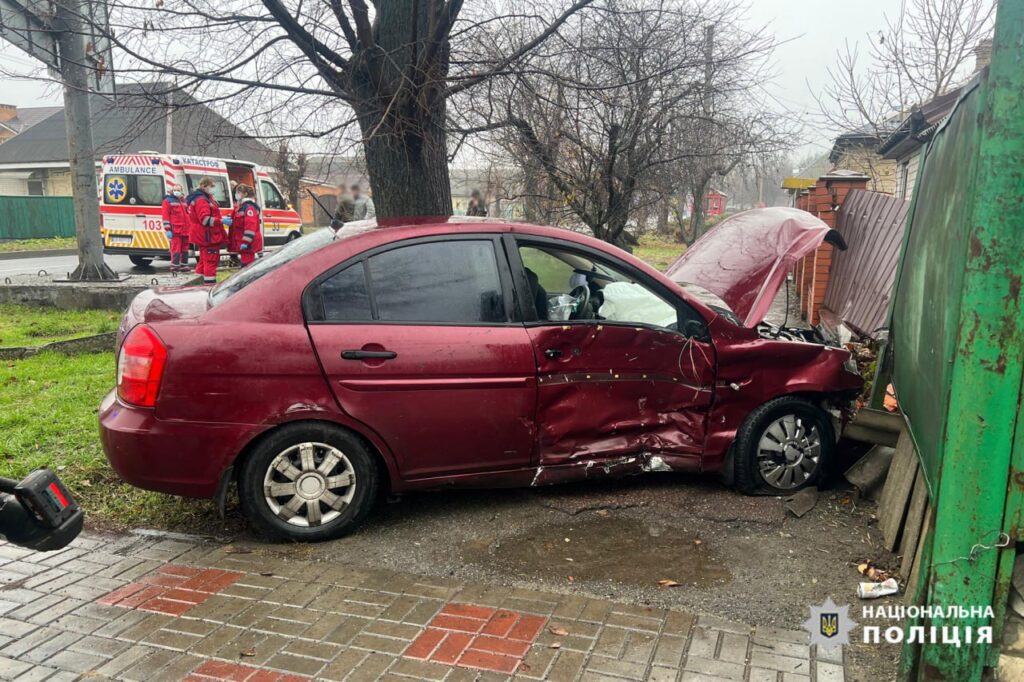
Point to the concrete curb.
(15, 255)
(97, 343)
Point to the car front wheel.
(783, 446)
(308, 482)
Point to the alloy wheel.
(789, 451)
(309, 484)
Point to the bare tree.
(593, 112)
(378, 74)
(290, 169)
(920, 54)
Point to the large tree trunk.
(81, 154)
(663, 209)
(697, 217)
(408, 169)
(401, 110)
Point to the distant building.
(15, 120)
(714, 203)
(35, 161)
(905, 144)
(858, 151)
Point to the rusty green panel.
(926, 306)
(957, 336)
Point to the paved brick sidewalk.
(145, 608)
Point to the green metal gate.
(957, 338)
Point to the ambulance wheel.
(308, 482)
(141, 261)
(293, 236)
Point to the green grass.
(32, 326)
(48, 417)
(38, 244)
(658, 251)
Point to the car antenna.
(318, 202)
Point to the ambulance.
(132, 190)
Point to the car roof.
(386, 230)
(357, 237)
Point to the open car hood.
(744, 259)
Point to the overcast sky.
(811, 32)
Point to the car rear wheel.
(783, 446)
(141, 261)
(308, 482)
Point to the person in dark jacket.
(476, 204)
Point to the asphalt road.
(58, 265)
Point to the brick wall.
(812, 272)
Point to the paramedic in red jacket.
(176, 225)
(207, 229)
(246, 234)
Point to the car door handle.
(368, 354)
(553, 353)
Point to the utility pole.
(81, 154)
(55, 33)
(169, 124)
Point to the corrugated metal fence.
(36, 217)
(862, 276)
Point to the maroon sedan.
(464, 352)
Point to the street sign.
(32, 25)
(29, 30)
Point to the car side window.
(440, 282)
(345, 296)
(612, 294)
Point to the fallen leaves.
(558, 631)
(248, 653)
(668, 583)
(872, 572)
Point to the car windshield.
(286, 254)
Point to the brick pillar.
(824, 200)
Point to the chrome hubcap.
(789, 452)
(309, 484)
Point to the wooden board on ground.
(912, 527)
(892, 506)
(915, 569)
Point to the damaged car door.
(625, 367)
(417, 343)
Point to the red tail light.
(140, 367)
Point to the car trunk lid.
(164, 304)
(745, 258)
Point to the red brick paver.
(222, 670)
(478, 637)
(173, 589)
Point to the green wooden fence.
(36, 217)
